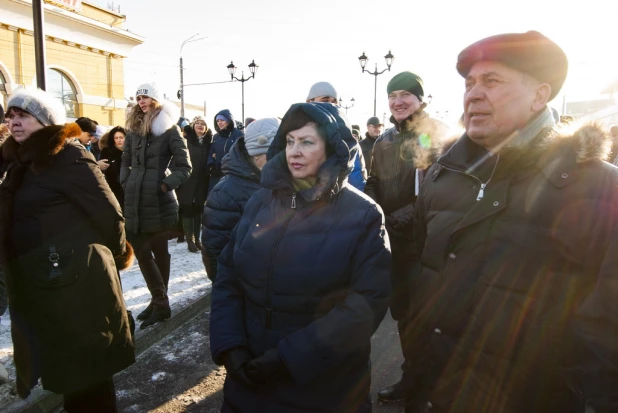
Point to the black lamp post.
(232, 69)
(347, 107)
(363, 62)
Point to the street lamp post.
(363, 62)
(232, 69)
(182, 84)
(346, 107)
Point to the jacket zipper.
(269, 310)
(481, 193)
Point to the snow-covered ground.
(188, 282)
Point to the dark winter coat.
(147, 162)
(222, 142)
(305, 273)
(68, 323)
(226, 203)
(112, 173)
(194, 190)
(367, 148)
(515, 305)
(397, 154)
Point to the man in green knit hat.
(400, 157)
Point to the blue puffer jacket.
(358, 176)
(222, 142)
(305, 273)
(226, 202)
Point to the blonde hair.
(140, 122)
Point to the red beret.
(530, 53)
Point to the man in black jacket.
(400, 157)
(374, 129)
(515, 305)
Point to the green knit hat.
(407, 81)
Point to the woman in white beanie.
(60, 229)
(153, 146)
(241, 170)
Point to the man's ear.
(541, 96)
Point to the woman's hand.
(267, 367)
(235, 362)
(164, 187)
(103, 164)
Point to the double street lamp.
(232, 69)
(346, 107)
(363, 62)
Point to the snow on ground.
(188, 282)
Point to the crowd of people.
(494, 248)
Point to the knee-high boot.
(163, 263)
(160, 303)
(197, 230)
(187, 224)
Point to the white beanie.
(148, 89)
(322, 89)
(260, 134)
(44, 107)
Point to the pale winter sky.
(297, 43)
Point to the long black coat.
(222, 142)
(305, 273)
(69, 324)
(112, 173)
(226, 203)
(515, 308)
(147, 162)
(193, 191)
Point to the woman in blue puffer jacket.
(241, 169)
(227, 134)
(304, 281)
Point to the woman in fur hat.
(192, 193)
(155, 161)
(60, 229)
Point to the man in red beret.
(515, 305)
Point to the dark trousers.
(401, 279)
(96, 399)
(156, 276)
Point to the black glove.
(214, 170)
(235, 361)
(266, 368)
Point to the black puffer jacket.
(306, 274)
(397, 154)
(515, 306)
(146, 164)
(367, 148)
(226, 203)
(112, 173)
(193, 191)
(69, 323)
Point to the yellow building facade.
(85, 47)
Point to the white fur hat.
(44, 107)
(150, 90)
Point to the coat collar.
(166, 118)
(43, 144)
(556, 151)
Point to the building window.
(3, 90)
(61, 87)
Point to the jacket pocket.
(55, 268)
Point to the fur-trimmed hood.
(167, 117)
(560, 148)
(43, 144)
